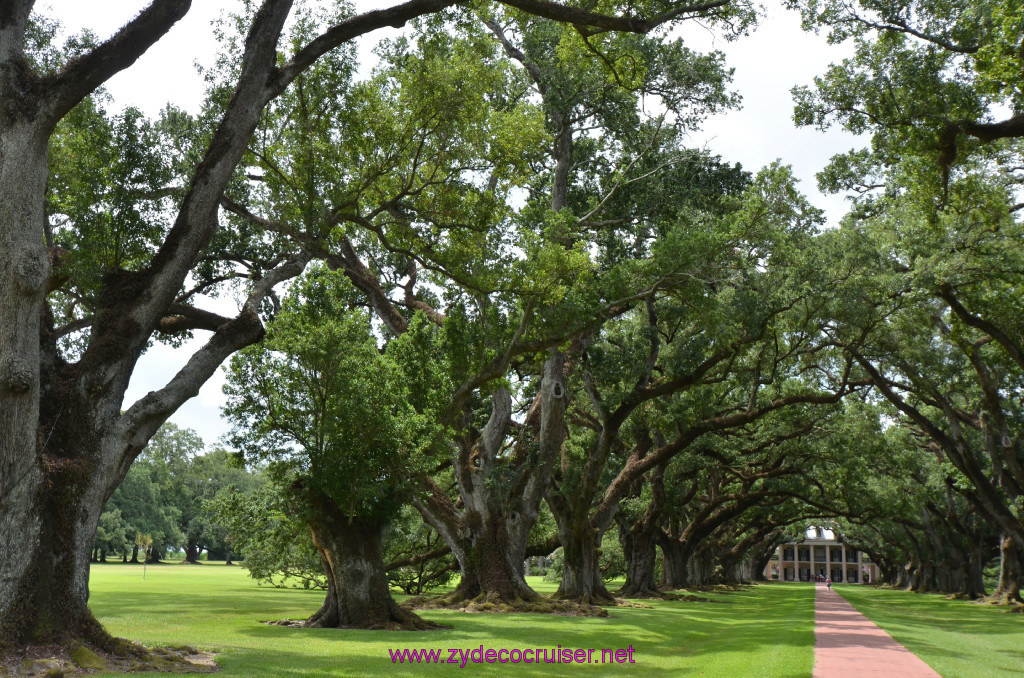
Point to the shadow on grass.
(763, 631)
(955, 637)
(665, 634)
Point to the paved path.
(847, 644)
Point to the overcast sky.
(778, 56)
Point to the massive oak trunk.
(65, 441)
(357, 585)
(501, 494)
(55, 473)
(638, 540)
(581, 572)
(582, 581)
(676, 561)
(641, 557)
(191, 553)
(47, 600)
(25, 533)
(490, 557)
(1010, 572)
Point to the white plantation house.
(820, 554)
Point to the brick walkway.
(847, 644)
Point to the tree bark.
(357, 594)
(641, 557)
(191, 553)
(676, 558)
(581, 569)
(489, 536)
(974, 577)
(64, 443)
(48, 601)
(24, 534)
(1010, 572)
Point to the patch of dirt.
(683, 597)
(636, 604)
(690, 598)
(65, 661)
(392, 626)
(494, 605)
(1010, 606)
(415, 623)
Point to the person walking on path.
(828, 583)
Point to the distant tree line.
(169, 494)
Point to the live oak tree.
(732, 495)
(63, 422)
(386, 192)
(278, 548)
(891, 500)
(333, 416)
(877, 484)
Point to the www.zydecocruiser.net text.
(461, 657)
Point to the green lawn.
(762, 631)
(956, 638)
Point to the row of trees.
(527, 291)
(808, 319)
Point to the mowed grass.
(764, 630)
(956, 638)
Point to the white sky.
(767, 65)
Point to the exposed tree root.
(643, 592)
(495, 603)
(400, 618)
(59, 661)
(656, 594)
(718, 588)
(1004, 598)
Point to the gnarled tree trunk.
(676, 558)
(48, 600)
(641, 558)
(191, 553)
(357, 585)
(490, 534)
(582, 581)
(1010, 571)
(638, 540)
